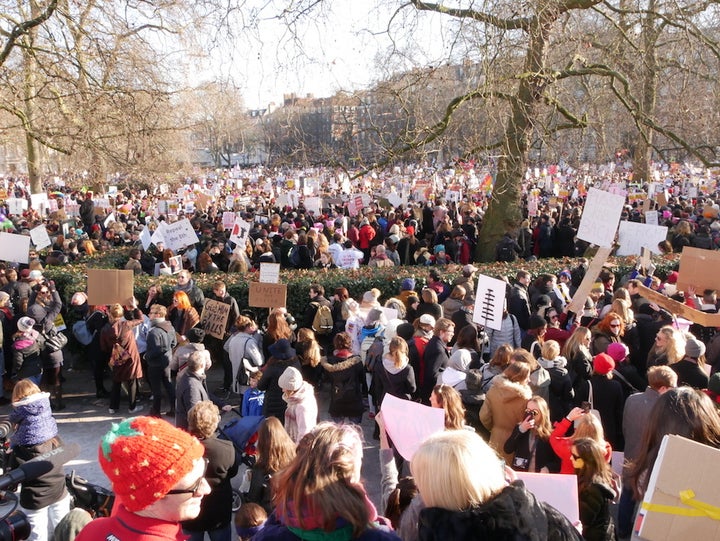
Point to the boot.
(58, 404)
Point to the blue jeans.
(221, 534)
(626, 512)
(159, 378)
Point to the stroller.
(243, 433)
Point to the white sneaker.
(111, 411)
(136, 409)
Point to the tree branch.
(23, 27)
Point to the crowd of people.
(551, 391)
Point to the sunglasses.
(193, 489)
(574, 456)
(531, 413)
(615, 325)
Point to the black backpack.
(506, 251)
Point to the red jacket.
(367, 234)
(563, 445)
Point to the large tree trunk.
(505, 210)
(29, 76)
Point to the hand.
(227, 407)
(384, 444)
(575, 413)
(527, 424)
(690, 291)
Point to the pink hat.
(618, 351)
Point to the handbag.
(119, 356)
(54, 340)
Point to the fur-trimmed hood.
(504, 390)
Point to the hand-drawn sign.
(214, 318)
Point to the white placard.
(651, 217)
(489, 302)
(313, 204)
(409, 424)
(102, 202)
(600, 217)
(40, 237)
(633, 236)
(239, 233)
(17, 206)
(228, 219)
(270, 273)
(15, 248)
(158, 235)
(556, 489)
(179, 235)
(145, 238)
(39, 201)
(110, 219)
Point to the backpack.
(505, 251)
(294, 256)
(371, 352)
(322, 322)
(81, 332)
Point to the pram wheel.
(237, 500)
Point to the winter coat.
(160, 343)
(509, 333)
(44, 316)
(34, 421)
(182, 353)
(302, 411)
(346, 374)
(216, 507)
(579, 370)
(194, 293)
(518, 444)
(561, 393)
(183, 320)
(435, 360)
(121, 332)
(126, 525)
(519, 304)
(600, 342)
(393, 380)
(274, 405)
(689, 373)
(595, 515)
(504, 407)
(275, 530)
(609, 400)
(189, 391)
(26, 349)
(513, 514)
(47, 489)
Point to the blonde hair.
(23, 389)
(116, 311)
(457, 470)
(203, 419)
(543, 428)
(675, 349)
(312, 355)
(574, 343)
(589, 426)
(451, 402)
(550, 350)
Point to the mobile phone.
(585, 406)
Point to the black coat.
(519, 444)
(561, 394)
(346, 382)
(216, 507)
(512, 515)
(435, 360)
(274, 405)
(595, 515)
(609, 400)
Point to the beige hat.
(291, 379)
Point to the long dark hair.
(595, 468)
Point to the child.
(252, 403)
(595, 490)
(249, 520)
(31, 415)
(27, 346)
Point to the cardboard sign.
(213, 319)
(696, 316)
(270, 273)
(489, 302)
(634, 236)
(40, 237)
(698, 267)
(409, 424)
(105, 286)
(577, 303)
(15, 248)
(682, 500)
(556, 489)
(267, 295)
(600, 217)
(179, 235)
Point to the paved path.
(85, 419)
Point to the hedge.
(72, 277)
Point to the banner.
(213, 319)
(106, 286)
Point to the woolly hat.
(195, 335)
(468, 269)
(408, 284)
(145, 457)
(25, 273)
(25, 323)
(618, 351)
(694, 348)
(672, 278)
(603, 364)
(369, 297)
(36, 275)
(281, 349)
(4, 297)
(78, 299)
(291, 379)
(439, 248)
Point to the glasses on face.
(531, 413)
(44, 291)
(554, 316)
(614, 325)
(193, 489)
(574, 456)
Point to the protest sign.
(179, 235)
(270, 273)
(145, 238)
(239, 233)
(264, 295)
(213, 319)
(105, 286)
(228, 219)
(696, 316)
(681, 500)
(489, 302)
(175, 263)
(409, 424)
(651, 217)
(40, 237)
(15, 248)
(698, 268)
(577, 304)
(556, 489)
(17, 206)
(633, 236)
(157, 236)
(110, 219)
(313, 204)
(600, 217)
(59, 323)
(39, 201)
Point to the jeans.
(221, 534)
(159, 377)
(51, 515)
(626, 512)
